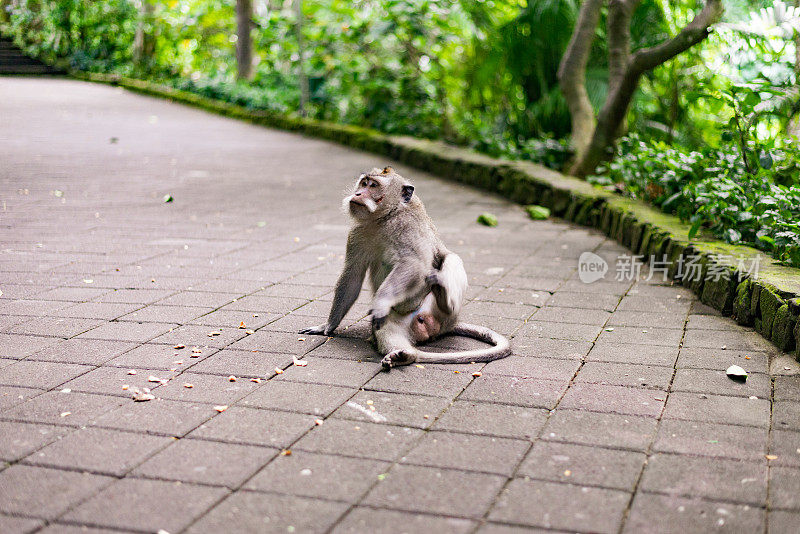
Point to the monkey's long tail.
(500, 347)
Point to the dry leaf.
(179, 347)
(299, 363)
(286, 452)
(231, 378)
(420, 366)
(477, 374)
(771, 457)
(241, 325)
(125, 387)
(197, 350)
(214, 333)
(188, 386)
(132, 372)
(64, 414)
(248, 332)
(221, 408)
(256, 380)
(278, 371)
(318, 422)
(152, 378)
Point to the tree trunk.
(572, 75)
(244, 41)
(144, 42)
(620, 94)
(794, 123)
(301, 69)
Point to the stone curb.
(719, 272)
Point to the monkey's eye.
(420, 319)
(373, 184)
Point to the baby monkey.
(418, 284)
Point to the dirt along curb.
(738, 281)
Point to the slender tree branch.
(619, 38)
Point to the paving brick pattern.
(613, 415)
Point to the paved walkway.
(613, 415)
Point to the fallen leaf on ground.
(221, 408)
(771, 456)
(152, 378)
(64, 414)
(179, 347)
(231, 378)
(278, 371)
(477, 374)
(256, 380)
(66, 390)
(188, 386)
(286, 452)
(318, 422)
(735, 372)
(214, 333)
(132, 372)
(142, 395)
(299, 363)
(125, 387)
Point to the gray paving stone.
(64, 490)
(216, 389)
(709, 439)
(83, 351)
(35, 308)
(615, 399)
(331, 371)
(785, 444)
(604, 351)
(438, 491)
(574, 299)
(604, 429)
(519, 391)
(149, 505)
(18, 440)
(646, 320)
(573, 315)
(782, 521)
(468, 452)
(319, 476)
(41, 375)
(786, 388)
(620, 374)
(718, 409)
(392, 408)
(206, 462)
(556, 330)
(163, 357)
(258, 303)
(134, 296)
(513, 296)
(98, 310)
(269, 513)
(242, 363)
(712, 478)
(716, 339)
(713, 322)
(754, 362)
(13, 395)
(54, 326)
(61, 528)
(127, 331)
(191, 335)
(718, 383)
(492, 419)
(646, 303)
(581, 464)
(167, 314)
(112, 380)
(96, 450)
(428, 380)
(16, 346)
(55, 407)
(359, 439)
(550, 348)
(637, 335)
(159, 416)
(280, 342)
(546, 368)
(786, 415)
(667, 514)
(784, 488)
(254, 426)
(232, 319)
(19, 525)
(315, 399)
(560, 506)
(346, 349)
(362, 519)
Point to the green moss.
(741, 304)
(768, 306)
(783, 328)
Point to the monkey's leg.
(449, 284)
(347, 288)
(393, 343)
(405, 281)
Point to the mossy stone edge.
(770, 302)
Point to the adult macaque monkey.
(418, 284)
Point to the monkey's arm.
(347, 288)
(405, 281)
(449, 284)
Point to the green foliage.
(713, 190)
(487, 219)
(537, 213)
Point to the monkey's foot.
(321, 330)
(397, 358)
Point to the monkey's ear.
(387, 170)
(408, 191)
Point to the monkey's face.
(377, 193)
(424, 326)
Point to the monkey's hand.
(432, 279)
(321, 330)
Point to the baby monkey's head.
(377, 193)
